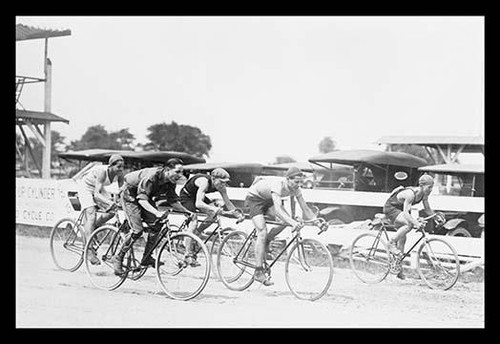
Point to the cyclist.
(92, 196)
(397, 209)
(138, 195)
(265, 198)
(193, 197)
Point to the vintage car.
(458, 184)
(374, 175)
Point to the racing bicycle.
(67, 240)
(175, 274)
(371, 260)
(308, 263)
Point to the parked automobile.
(372, 173)
(459, 181)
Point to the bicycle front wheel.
(66, 245)
(369, 258)
(215, 244)
(179, 278)
(105, 242)
(309, 269)
(438, 264)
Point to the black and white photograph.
(250, 172)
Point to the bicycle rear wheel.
(106, 241)
(177, 278)
(369, 258)
(309, 269)
(66, 245)
(235, 255)
(438, 264)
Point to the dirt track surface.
(50, 298)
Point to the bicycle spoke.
(309, 270)
(66, 245)
(369, 258)
(235, 255)
(179, 277)
(105, 242)
(438, 264)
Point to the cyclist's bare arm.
(227, 202)
(307, 213)
(427, 207)
(202, 184)
(281, 211)
(408, 196)
(99, 192)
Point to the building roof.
(25, 32)
(38, 116)
(473, 144)
(454, 168)
(356, 156)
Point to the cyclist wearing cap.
(139, 194)
(92, 195)
(265, 198)
(397, 209)
(193, 197)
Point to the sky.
(263, 87)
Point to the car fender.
(328, 210)
(454, 223)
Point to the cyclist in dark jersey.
(397, 209)
(193, 197)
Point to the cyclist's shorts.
(258, 206)
(85, 197)
(392, 212)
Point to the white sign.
(42, 202)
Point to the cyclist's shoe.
(191, 261)
(261, 277)
(401, 275)
(93, 257)
(149, 261)
(116, 262)
(393, 249)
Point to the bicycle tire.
(369, 258)
(215, 244)
(309, 269)
(438, 264)
(67, 244)
(106, 241)
(233, 275)
(177, 279)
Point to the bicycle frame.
(252, 235)
(383, 229)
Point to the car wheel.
(459, 231)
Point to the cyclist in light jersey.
(92, 195)
(265, 198)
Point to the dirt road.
(48, 297)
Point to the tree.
(327, 145)
(418, 151)
(178, 138)
(283, 159)
(98, 137)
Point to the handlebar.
(318, 222)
